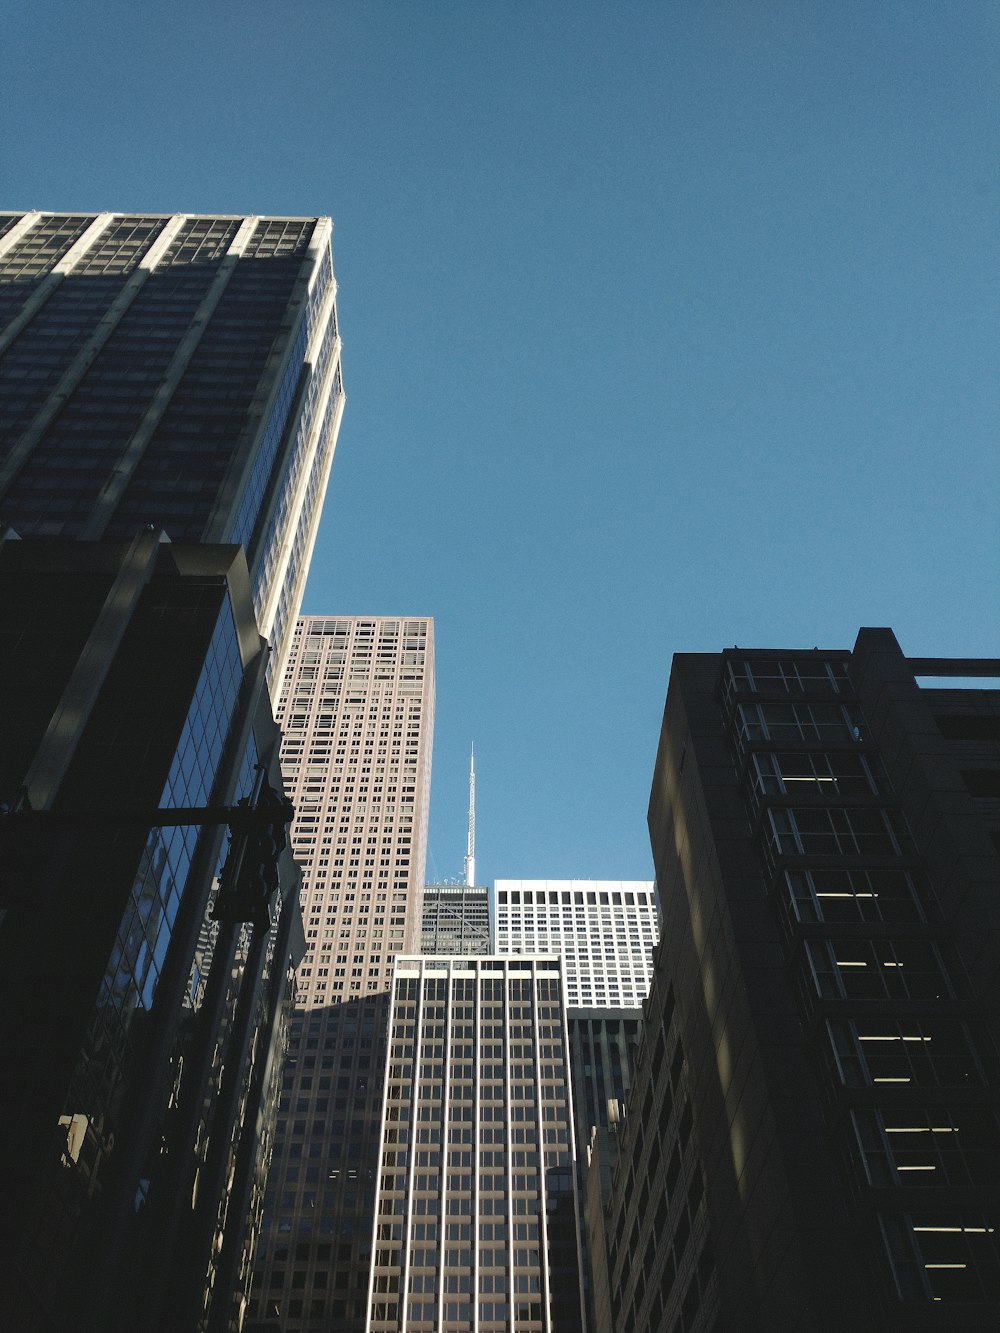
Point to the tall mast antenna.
(470, 856)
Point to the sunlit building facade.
(357, 711)
(605, 930)
(477, 1215)
(175, 370)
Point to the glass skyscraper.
(178, 371)
(170, 395)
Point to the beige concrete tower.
(357, 709)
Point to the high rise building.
(477, 1213)
(170, 395)
(175, 371)
(813, 1135)
(142, 1036)
(357, 709)
(456, 919)
(605, 929)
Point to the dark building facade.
(142, 1038)
(812, 1138)
(170, 397)
(181, 371)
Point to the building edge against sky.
(165, 380)
(357, 710)
(814, 1131)
(179, 329)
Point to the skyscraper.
(177, 371)
(357, 709)
(477, 1213)
(140, 1034)
(170, 395)
(813, 1137)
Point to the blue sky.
(667, 326)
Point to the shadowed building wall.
(812, 1138)
(142, 1037)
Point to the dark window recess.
(677, 1065)
(982, 781)
(692, 1300)
(684, 1128)
(968, 726)
(706, 1263)
(673, 1170)
(695, 1191)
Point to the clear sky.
(667, 326)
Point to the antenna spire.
(470, 856)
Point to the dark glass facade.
(141, 1029)
(164, 381)
(176, 371)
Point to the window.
(935, 1257)
(919, 1052)
(814, 831)
(922, 1148)
(855, 969)
(852, 895)
(840, 774)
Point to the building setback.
(477, 1223)
(812, 1138)
(170, 395)
(357, 709)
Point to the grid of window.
(874, 979)
(178, 478)
(476, 1222)
(456, 919)
(605, 929)
(356, 706)
(33, 364)
(168, 403)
